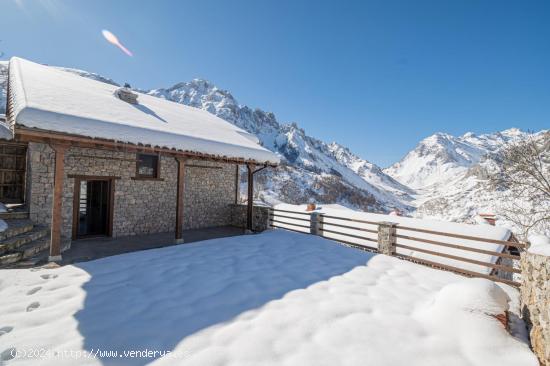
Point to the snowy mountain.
(443, 157)
(450, 174)
(90, 75)
(311, 169)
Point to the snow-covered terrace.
(276, 298)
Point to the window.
(147, 166)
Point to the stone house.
(89, 158)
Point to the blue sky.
(376, 76)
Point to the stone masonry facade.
(260, 217)
(535, 302)
(140, 206)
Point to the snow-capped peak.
(512, 132)
(442, 157)
(307, 161)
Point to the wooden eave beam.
(25, 134)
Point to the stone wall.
(209, 192)
(260, 217)
(535, 302)
(140, 206)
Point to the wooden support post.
(55, 240)
(180, 200)
(237, 183)
(250, 202)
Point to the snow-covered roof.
(51, 99)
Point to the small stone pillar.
(316, 224)
(386, 238)
(269, 223)
(535, 302)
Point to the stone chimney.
(126, 94)
(311, 207)
(396, 212)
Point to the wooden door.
(13, 162)
(93, 213)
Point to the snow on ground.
(540, 244)
(277, 298)
(483, 231)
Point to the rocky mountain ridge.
(444, 177)
(311, 169)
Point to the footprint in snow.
(33, 306)
(34, 290)
(48, 276)
(8, 354)
(5, 330)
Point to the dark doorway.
(94, 207)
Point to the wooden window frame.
(147, 177)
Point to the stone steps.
(15, 211)
(14, 215)
(37, 260)
(7, 259)
(35, 243)
(11, 244)
(31, 255)
(33, 248)
(16, 227)
(24, 245)
(27, 251)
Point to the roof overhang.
(46, 104)
(26, 134)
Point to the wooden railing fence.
(394, 239)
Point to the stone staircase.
(23, 243)
(14, 214)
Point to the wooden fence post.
(386, 238)
(316, 224)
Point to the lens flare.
(111, 38)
